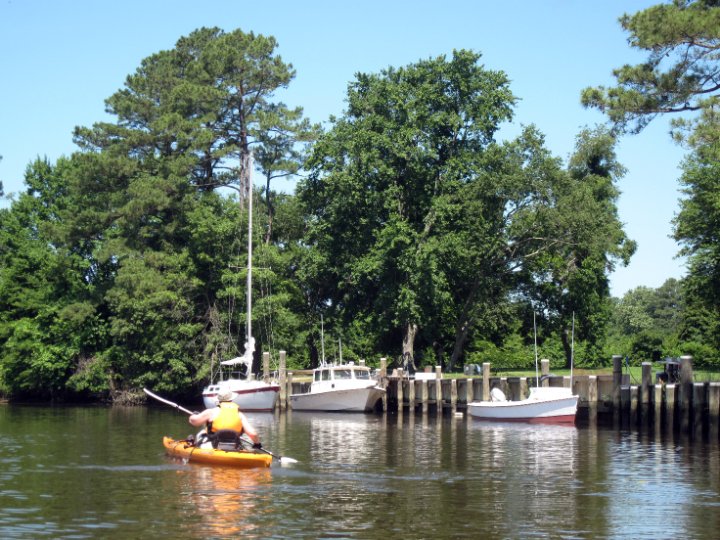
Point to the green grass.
(635, 373)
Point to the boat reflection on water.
(339, 437)
(228, 499)
(535, 448)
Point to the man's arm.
(200, 419)
(249, 429)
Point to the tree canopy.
(681, 72)
(414, 234)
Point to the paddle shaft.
(167, 402)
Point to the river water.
(93, 472)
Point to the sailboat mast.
(572, 348)
(537, 375)
(248, 291)
(322, 339)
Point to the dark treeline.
(412, 233)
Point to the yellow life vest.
(228, 418)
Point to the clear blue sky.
(60, 59)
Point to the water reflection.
(91, 473)
(230, 501)
(339, 438)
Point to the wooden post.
(545, 370)
(283, 382)
(289, 391)
(592, 397)
(646, 382)
(400, 393)
(670, 391)
(634, 405)
(686, 392)
(617, 382)
(657, 406)
(424, 396)
(644, 397)
(624, 408)
(438, 390)
(383, 382)
(469, 392)
(453, 394)
(411, 395)
(485, 381)
(266, 366)
(699, 402)
(523, 387)
(713, 409)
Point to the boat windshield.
(362, 374)
(343, 374)
(325, 374)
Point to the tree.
(205, 104)
(48, 326)
(154, 238)
(382, 177)
(680, 77)
(681, 73)
(571, 277)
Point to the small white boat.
(248, 395)
(545, 404)
(339, 388)
(548, 405)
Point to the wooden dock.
(685, 406)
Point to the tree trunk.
(462, 328)
(567, 348)
(270, 211)
(408, 346)
(461, 333)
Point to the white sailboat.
(249, 393)
(547, 405)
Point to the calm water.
(71, 472)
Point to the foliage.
(416, 235)
(387, 183)
(679, 77)
(680, 73)
(119, 265)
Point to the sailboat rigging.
(248, 393)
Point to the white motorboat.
(339, 388)
(545, 404)
(556, 405)
(249, 393)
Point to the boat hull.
(211, 456)
(338, 400)
(552, 410)
(247, 395)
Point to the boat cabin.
(341, 376)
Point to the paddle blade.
(287, 461)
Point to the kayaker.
(226, 416)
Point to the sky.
(61, 59)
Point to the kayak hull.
(211, 456)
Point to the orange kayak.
(212, 456)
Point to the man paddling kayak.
(225, 419)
